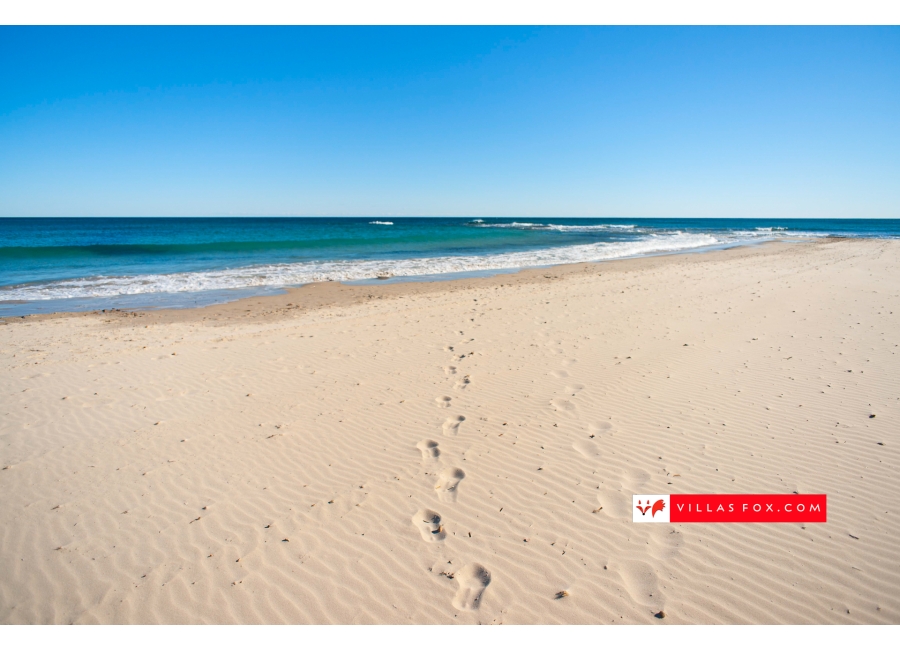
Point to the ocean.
(78, 264)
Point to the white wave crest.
(514, 224)
(381, 223)
(525, 225)
(280, 275)
(604, 226)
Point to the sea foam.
(281, 275)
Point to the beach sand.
(464, 451)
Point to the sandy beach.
(464, 451)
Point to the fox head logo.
(659, 506)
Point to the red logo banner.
(748, 508)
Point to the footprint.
(574, 388)
(451, 425)
(448, 482)
(562, 404)
(635, 479)
(560, 374)
(586, 448)
(473, 580)
(429, 449)
(599, 427)
(449, 370)
(641, 584)
(465, 381)
(443, 402)
(429, 524)
(665, 543)
(615, 504)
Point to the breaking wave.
(525, 225)
(291, 274)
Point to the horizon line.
(448, 216)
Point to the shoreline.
(334, 294)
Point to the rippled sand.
(463, 452)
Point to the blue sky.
(631, 122)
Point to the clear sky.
(372, 121)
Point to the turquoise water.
(96, 263)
